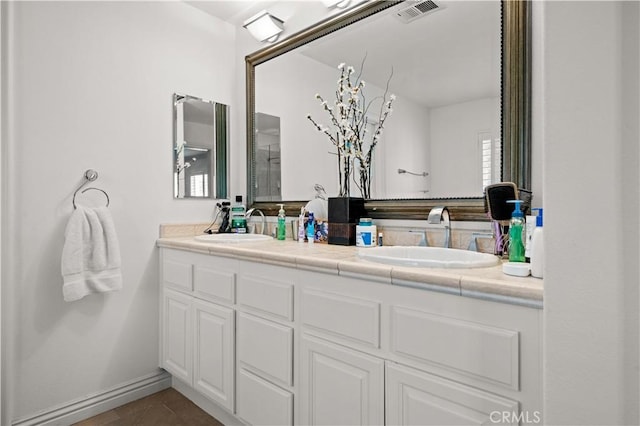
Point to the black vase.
(344, 214)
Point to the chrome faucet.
(250, 212)
(440, 215)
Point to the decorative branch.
(348, 116)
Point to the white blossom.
(348, 128)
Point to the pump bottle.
(281, 232)
(516, 227)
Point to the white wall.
(589, 92)
(90, 86)
(456, 157)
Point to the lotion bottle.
(282, 227)
(537, 247)
(516, 228)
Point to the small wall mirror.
(200, 148)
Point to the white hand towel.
(91, 254)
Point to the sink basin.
(233, 238)
(430, 257)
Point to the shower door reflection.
(268, 166)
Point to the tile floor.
(164, 408)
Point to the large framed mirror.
(200, 148)
(483, 104)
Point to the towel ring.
(90, 175)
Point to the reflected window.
(491, 151)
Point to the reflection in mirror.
(200, 147)
(268, 176)
(448, 100)
(468, 86)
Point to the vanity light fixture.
(340, 4)
(264, 27)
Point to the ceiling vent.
(416, 10)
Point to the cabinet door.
(418, 398)
(176, 335)
(340, 386)
(213, 352)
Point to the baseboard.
(76, 411)
(213, 409)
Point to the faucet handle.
(424, 241)
(473, 243)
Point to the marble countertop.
(484, 283)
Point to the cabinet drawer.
(266, 347)
(212, 283)
(354, 319)
(261, 403)
(275, 298)
(470, 348)
(177, 274)
(414, 397)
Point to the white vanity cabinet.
(383, 354)
(279, 345)
(198, 335)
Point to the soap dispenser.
(537, 247)
(516, 227)
(282, 228)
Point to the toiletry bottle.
(311, 229)
(225, 225)
(530, 226)
(282, 228)
(380, 242)
(537, 247)
(516, 228)
(238, 219)
(301, 231)
(365, 233)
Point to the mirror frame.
(515, 112)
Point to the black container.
(344, 214)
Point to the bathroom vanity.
(290, 333)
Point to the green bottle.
(238, 219)
(516, 227)
(281, 232)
